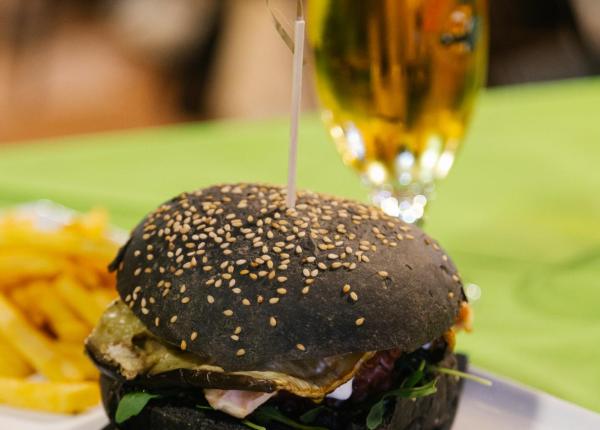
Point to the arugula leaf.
(463, 375)
(375, 417)
(247, 423)
(268, 413)
(415, 377)
(377, 412)
(132, 404)
(252, 425)
(310, 416)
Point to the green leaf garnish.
(377, 412)
(310, 416)
(415, 377)
(375, 417)
(267, 414)
(247, 423)
(132, 404)
(463, 375)
(252, 425)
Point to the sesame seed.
(354, 296)
(281, 279)
(185, 300)
(301, 347)
(240, 352)
(272, 321)
(260, 299)
(305, 290)
(281, 291)
(137, 271)
(306, 272)
(234, 337)
(274, 300)
(183, 345)
(455, 278)
(193, 336)
(246, 302)
(346, 288)
(238, 330)
(228, 312)
(157, 321)
(360, 321)
(333, 256)
(145, 311)
(383, 274)
(173, 319)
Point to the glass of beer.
(397, 80)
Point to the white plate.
(503, 406)
(507, 405)
(20, 419)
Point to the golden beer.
(398, 80)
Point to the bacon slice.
(236, 403)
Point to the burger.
(239, 312)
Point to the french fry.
(38, 350)
(17, 266)
(75, 352)
(54, 286)
(92, 224)
(66, 397)
(78, 299)
(12, 363)
(103, 298)
(61, 319)
(24, 298)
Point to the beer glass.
(397, 80)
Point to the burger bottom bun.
(435, 412)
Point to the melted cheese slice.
(113, 340)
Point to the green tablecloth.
(520, 213)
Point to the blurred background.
(71, 66)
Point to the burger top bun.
(232, 274)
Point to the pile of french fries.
(54, 286)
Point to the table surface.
(520, 212)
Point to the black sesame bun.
(231, 274)
(435, 412)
